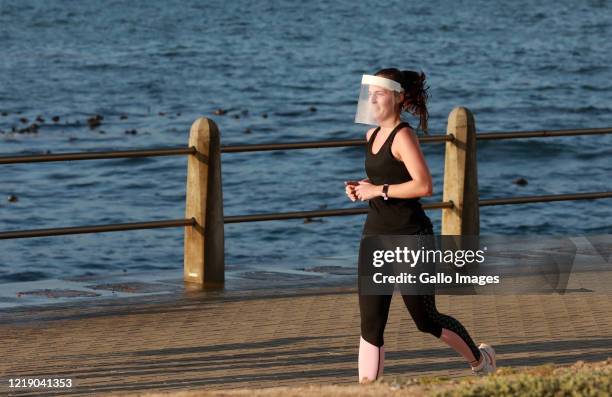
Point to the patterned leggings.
(374, 311)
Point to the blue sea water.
(156, 66)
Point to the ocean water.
(286, 72)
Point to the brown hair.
(415, 93)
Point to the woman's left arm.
(407, 148)
(410, 153)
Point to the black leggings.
(374, 311)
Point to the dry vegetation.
(579, 379)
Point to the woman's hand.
(349, 188)
(366, 191)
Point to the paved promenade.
(284, 337)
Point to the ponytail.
(416, 97)
(415, 93)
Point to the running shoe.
(487, 366)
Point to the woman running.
(397, 177)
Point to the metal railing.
(285, 146)
(458, 136)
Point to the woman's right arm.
(368, 136)
(349, 186)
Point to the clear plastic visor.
(377, 97)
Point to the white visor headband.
(381, 82)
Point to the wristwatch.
(385, 190)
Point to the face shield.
(377, 99)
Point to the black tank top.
(395, 215)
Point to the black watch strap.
(385, 190)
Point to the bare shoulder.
(406, 135)
(369, 133)
(406, 131)
(405, 139)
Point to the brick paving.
(279, 338)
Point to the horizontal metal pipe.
(423, 139)
(437, 205)
(541, 133)
(96, 228)
(315, 214)
(282, 146)
(285, 215)
(545, 198)
(96, 155)
(317, 144)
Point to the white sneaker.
(487, 366)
